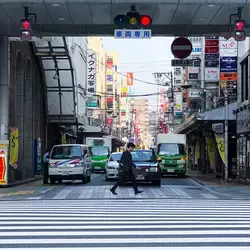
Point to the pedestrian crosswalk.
(125, 224)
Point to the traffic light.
(132, 19)
(26, 29)
(240, 34)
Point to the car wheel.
(156, 183)
(52, 181)
(60, 181)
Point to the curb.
(19, 183)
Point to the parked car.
(112, 166)
(69, 162)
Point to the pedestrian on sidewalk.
(46, 167)
(126, 170)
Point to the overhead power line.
(119, 73)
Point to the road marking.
(209, 196)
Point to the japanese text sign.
(131, 34)
(91, 72)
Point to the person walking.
(46, 167)
(126, 170)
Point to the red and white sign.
(130, 79)
(181, 47)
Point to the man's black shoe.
(113, 192)
(138, 192)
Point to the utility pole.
(226, 134)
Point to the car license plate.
(65, 173)
(171, 170)
(97, 168)
(140, 177)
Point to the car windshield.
(143, 155)
(171, 149)
(99, 151)
(115, 157)
(66, 152)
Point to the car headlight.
(52, 165)
(78, 165)
(153, 169)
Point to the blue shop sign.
(212, 57)
(228, 64)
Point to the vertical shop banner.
(109, 62)
(211, 147)
(4, 146)
(130, 77)
(91, 72)
(14, 147)
(178, 103)
(221, 146)
(124, 91)
(64, 140)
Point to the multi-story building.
(210, 101)
(142, 119)
(112, 95)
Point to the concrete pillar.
(4, 89)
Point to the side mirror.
(159, 159)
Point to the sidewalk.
(210, 180)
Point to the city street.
(125, 224)
(98, 188)
(179, 215)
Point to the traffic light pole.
(226, 134)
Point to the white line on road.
(124, 240)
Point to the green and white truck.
(171, 149)
(99, 149)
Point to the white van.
(69, 162)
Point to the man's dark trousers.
(45, 172)
(122, 177)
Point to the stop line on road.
(125, 224)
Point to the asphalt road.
(125, 225)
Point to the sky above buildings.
(143, 58)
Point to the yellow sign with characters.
(221, 146)
(14, 133)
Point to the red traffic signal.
(26, 24)
(132, 20)
(145, 20)
(26, 29)
(240, 34)
(239, 24)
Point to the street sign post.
(181, 47)
(182, 63)
(132, 33)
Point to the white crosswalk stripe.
(125, 224)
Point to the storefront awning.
(214, 115)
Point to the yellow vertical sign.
(64, 140)
(221, 147)
(14, 147)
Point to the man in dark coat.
(127, 170)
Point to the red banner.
(130, 77)
(2, 166)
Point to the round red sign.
(181, 47)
